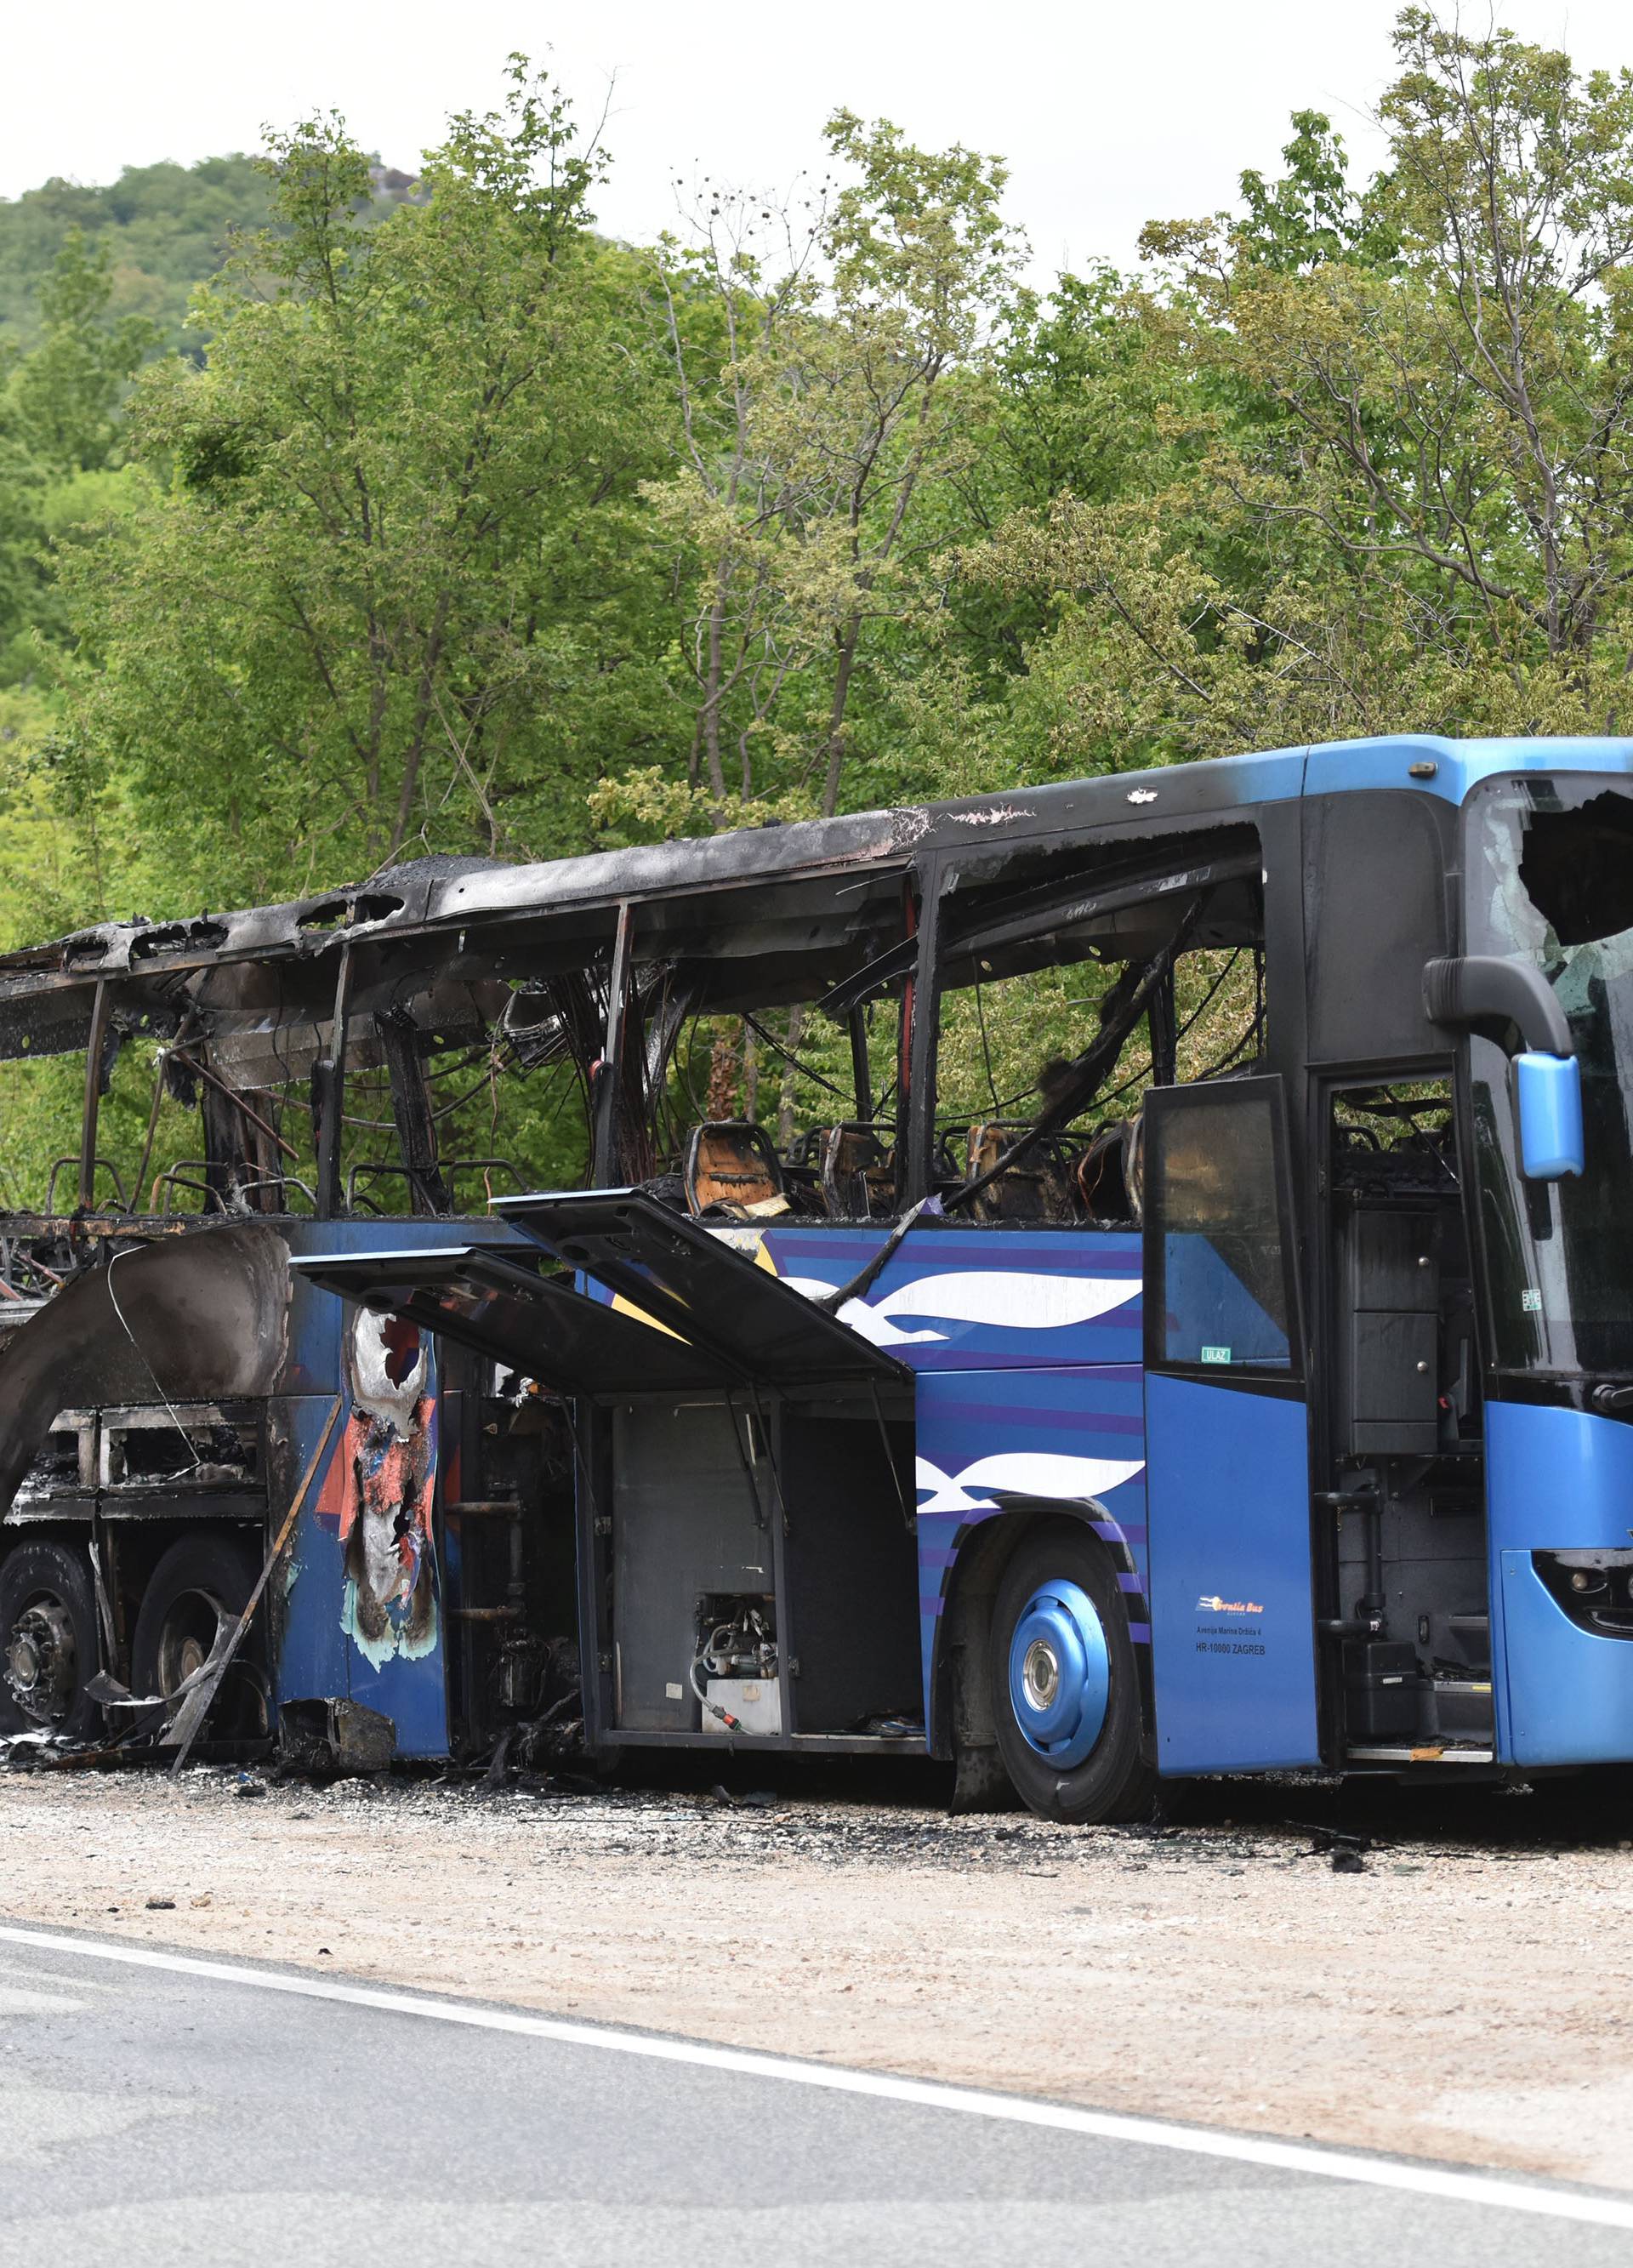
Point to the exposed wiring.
(1134, 1079)
(1217, 1070)
(789, 1056)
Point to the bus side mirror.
(1549, 1092)
(1481, 989)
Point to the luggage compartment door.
(491, 1299)
(672, 1268)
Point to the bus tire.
(201, 1582)
(47, 1641)
(1065, 1689)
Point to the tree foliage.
(1398, 486)
(387, 598)
(457, 525)
(825, 361)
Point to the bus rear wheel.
(1065, 1689)
(196, 1592)
(47, 1642)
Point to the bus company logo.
(1215, 1605)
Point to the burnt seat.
(1104, 1175)
(1039, 1186)
(858, 1178)
(730, 1162)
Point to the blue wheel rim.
(1060, 1673)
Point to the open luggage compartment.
(747, 1556)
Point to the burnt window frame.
(1143, 865)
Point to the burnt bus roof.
(452, 905)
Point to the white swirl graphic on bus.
(1010, 1300)
(1022, 1472)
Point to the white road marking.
(927, 2095)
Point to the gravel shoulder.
(1466, 1995)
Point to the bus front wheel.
(1065, 1689)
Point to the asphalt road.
(155, 2116)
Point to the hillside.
(166, 226)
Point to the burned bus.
(1124, 1279)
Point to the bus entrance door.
(1227, 1435)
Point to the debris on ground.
(1347, 1852)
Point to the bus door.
(1227, 1435)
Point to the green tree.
(60, 431)
(394, 595)
(23, 569)
(736, 303)
(827, 369)
(67, 391)
(1313, 215)
(1404, 496)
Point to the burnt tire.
(200, 1583)
(1065, 1688)
(48, 1648)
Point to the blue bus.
(1176, 1319)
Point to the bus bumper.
(1557, 1480)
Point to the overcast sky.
(1109, 113)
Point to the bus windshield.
(1550, 880)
